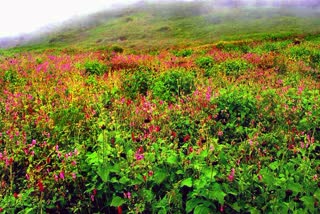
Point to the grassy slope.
(164, 26)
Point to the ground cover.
(231, 128)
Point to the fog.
(25, 16)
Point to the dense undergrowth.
(231, 128)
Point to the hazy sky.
(19, 16)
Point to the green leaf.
(180, 172)
(274, 165)
(117, 201)
(192, 203)
(236, 207)
(159, 176)
(92, 158)
(267, 177)
(103, 172)
(124, 180)
(187, 182)
(223, 158)
(317, 194)
(100, 138)
(147, 195)
(308, 201)
(295, 187)
(217, 193)
(201, 209)
(204, 153)
(209, 173)
(172, 159)
(28, 210)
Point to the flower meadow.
(226, 128)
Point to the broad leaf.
(187, 182)
(201, 209)
(117, 201)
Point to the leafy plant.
(95, 68)
(241, 47)
(173, 83)
(205, 62)
(236, 114)
(183, 53)
(116, 49)
(235, 67)
(137, 82)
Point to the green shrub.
(95, 68)
(116, 49)
(91, 80)
(315, 59)
(205, 62)
(10, 77)
(173, 83)
(183, 53)
(234, 67)
(275, 46)
(299, 53)
(236, 109)
(137, 82)
(241, 47)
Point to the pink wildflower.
(139, 156)
(127, 195)
(61, 175)
(231, 175)
(74, 176)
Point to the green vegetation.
(114, 121)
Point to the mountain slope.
(151, 26)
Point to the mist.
(22, 22)
(20, 17)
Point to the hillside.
(151, 26)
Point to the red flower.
(186, 138)
(40, 186)
(1, 209)
(15, 195)
(119, 210)
(140, 150)
(173, 134)
(190, 149)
